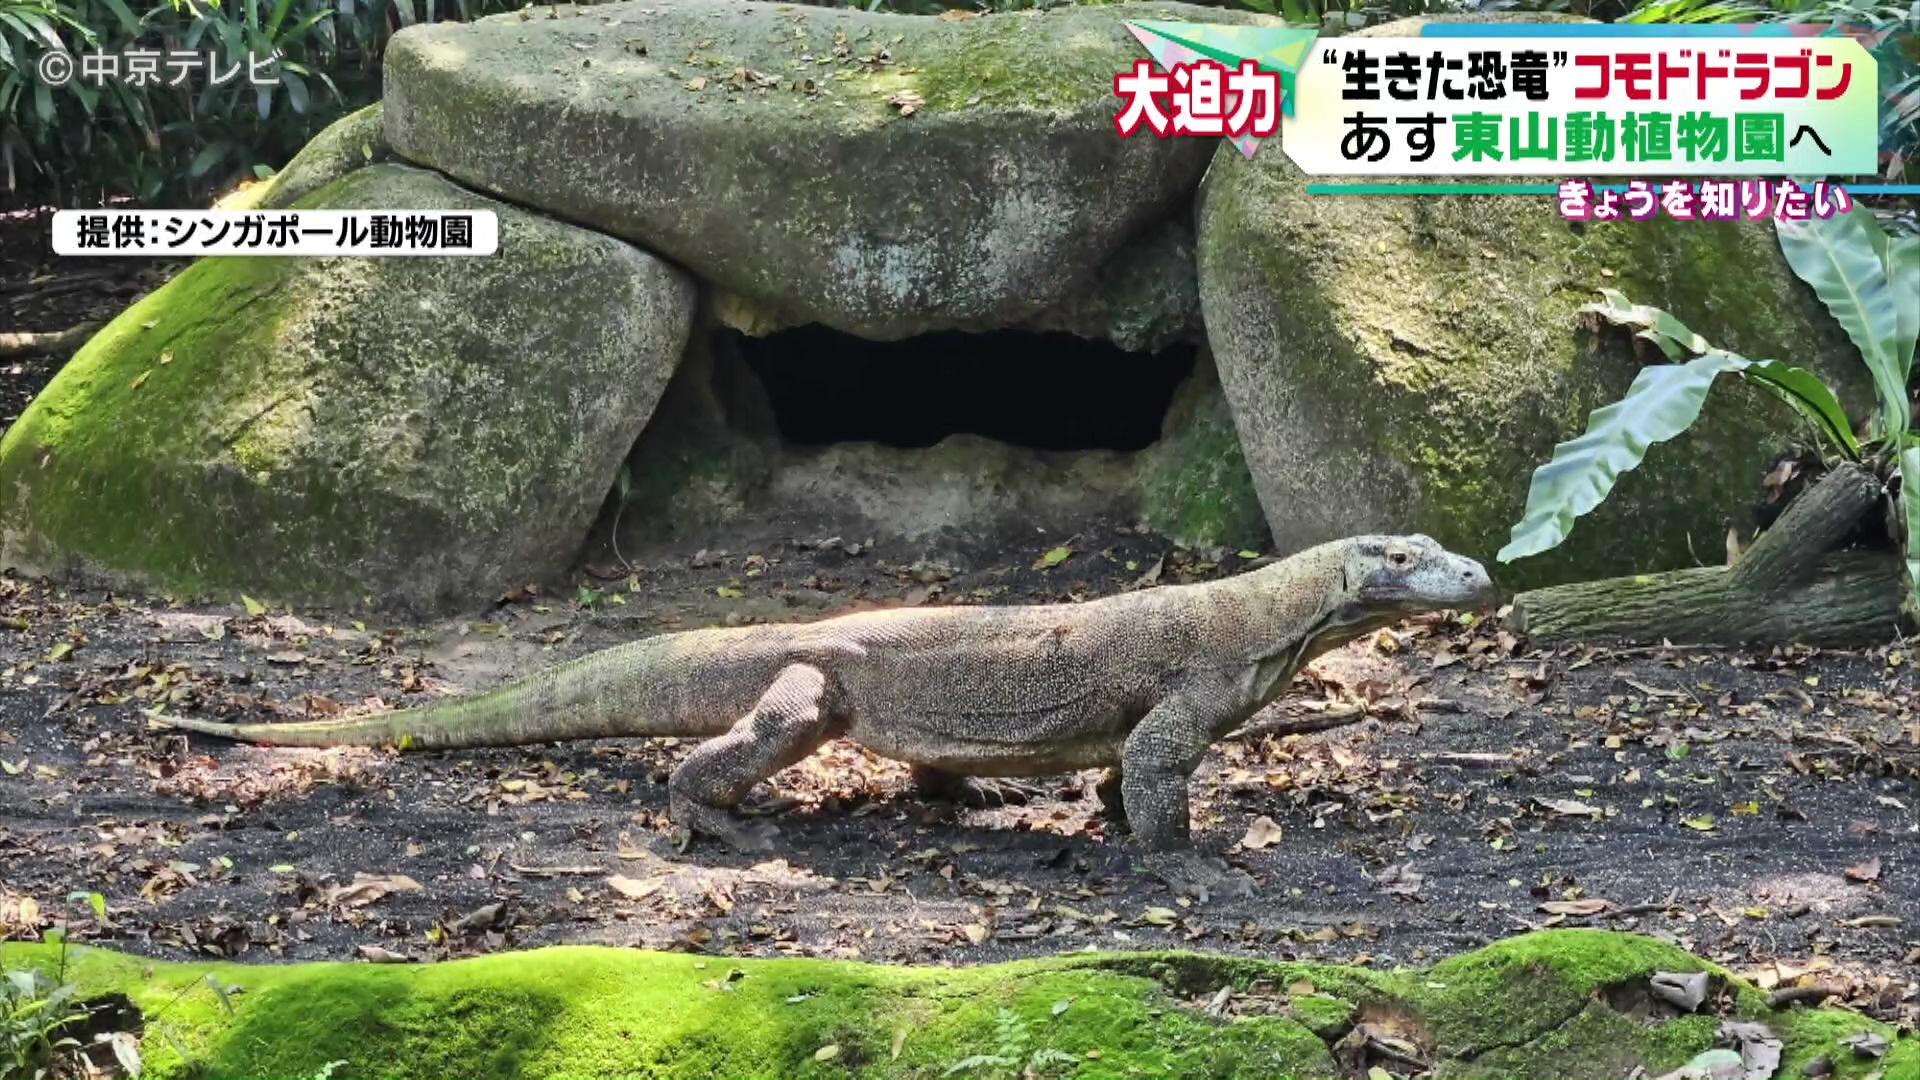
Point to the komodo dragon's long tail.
(691, 684)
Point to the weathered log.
(1789, 588)
(58, 344)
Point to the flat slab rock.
(885, 175)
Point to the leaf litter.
(1522, 785)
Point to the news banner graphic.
(1234, 81)
(284, 232)
(1555, 105)
(1751, 111)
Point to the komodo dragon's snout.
(1413, 573)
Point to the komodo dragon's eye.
(1399, 557)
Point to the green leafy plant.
(1013, 1040)
(159, 143)
(34, 1011)
(42, 1014)
(1867, 279)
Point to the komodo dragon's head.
(1388, 576)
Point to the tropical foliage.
(81, 144)
(1868, 280)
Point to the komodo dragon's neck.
(1295, 611)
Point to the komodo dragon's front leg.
(790, 721)
(1156, 765)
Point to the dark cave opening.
(1041, 391)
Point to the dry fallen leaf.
(1569, 807)
(907, 101)
(1865, 872)
(378, 955)
(1589, 906)
(367, 888)
(633, 889)
(1263, 833)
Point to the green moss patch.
(1194, 485)
(1540, 1005)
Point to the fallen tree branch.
(58, 344)
(1789, 587)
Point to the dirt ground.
(41, 293)
(1761, 809)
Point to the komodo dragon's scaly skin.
(1143, 683)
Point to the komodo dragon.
(1142, 683)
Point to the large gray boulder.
(884, 175)
(419, 432)
(1404, 363)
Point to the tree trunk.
(1789, 588)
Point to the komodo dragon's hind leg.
(979, 792)
(789, 722)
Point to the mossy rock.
(1403, 364)
(1144, 299)
(419, 433)
(354, 141)
(1194, 484)
(1541, 1005)
(764, 146)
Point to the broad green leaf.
(1810, 397)
(1053, 557)
(207, 158)
(1664, 400)
(31, 27)
(1902, 260)
(1910, 497)
(1660, 327)
(296, 90)
(1839, 257)
(1797, 387)
(125, 14)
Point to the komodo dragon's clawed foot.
(976, 792)
(692, 819)
(1190, 874)
(785, 725)
(1113, 805)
